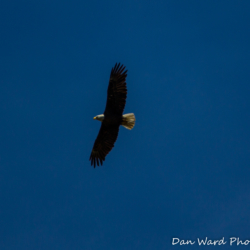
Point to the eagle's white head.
(99, 117)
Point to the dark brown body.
(112, 120)
(116, 100)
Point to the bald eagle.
(113, 116)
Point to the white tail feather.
(128, 121)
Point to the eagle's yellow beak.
(94, 118)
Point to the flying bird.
(113, 116)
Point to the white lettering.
(232, 240)
(183, 242)
(202, 241)
(210, 242)
(222, 242)
(241, 242)
(173, 241)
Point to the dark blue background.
(183, 171)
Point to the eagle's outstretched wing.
(117, 91)
(116, 100)
(104, 143)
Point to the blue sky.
(183, 171)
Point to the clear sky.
(183, 171)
